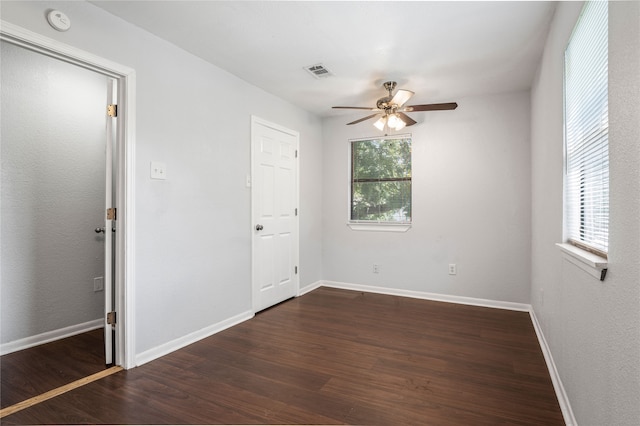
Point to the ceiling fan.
(391, 109)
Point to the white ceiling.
(442, 50)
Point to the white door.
(274, 199)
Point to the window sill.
(379, 227)
(588, 262)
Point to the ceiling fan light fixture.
(400, 125)
(395, 122)
(380, 123)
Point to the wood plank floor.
(31, 372)
(334, 357)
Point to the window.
(381, 180)
(586, 112)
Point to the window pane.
(381, 180)
(382, 201)
(587, 130)
(380, 158)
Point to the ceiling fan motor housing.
(383, 103)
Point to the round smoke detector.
(58, 20)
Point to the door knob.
(99, 230)
(259, 227)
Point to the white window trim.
(592, 264)
(379, 226)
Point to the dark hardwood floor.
(31, 372)
(334, 357)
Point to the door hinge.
(111, 318)
(296, 211)
(296, 153)
(111, 213)
(296, 269)
(112, 110)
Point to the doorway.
(53, 191)
(275, 215)
(55, 180)
(54, 219)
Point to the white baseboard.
(174, 345)
(561, 394)
(310, 287)
(498, 304)
(49, 336)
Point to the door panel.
(286, 193)
(266, 265)
(275, 223)
(286, 266)
(266, 192)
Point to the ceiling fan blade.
(401, 97)
(431, 107)
(407, 120)
(363, 119)
(349, 107)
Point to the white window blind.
(587, 131)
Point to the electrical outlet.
(452, 269)
(376, 268)
(98, 284)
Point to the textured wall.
(193, 230)
(592, 327)
(53, 171)
(471, 204)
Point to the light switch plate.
(98, 284)
(158, 170)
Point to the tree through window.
(381, 180)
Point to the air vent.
(318, 71)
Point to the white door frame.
(125, 179)
(296, 249)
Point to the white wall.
(592, 327)
(193, 245)
(53, 183)
(471, 204)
